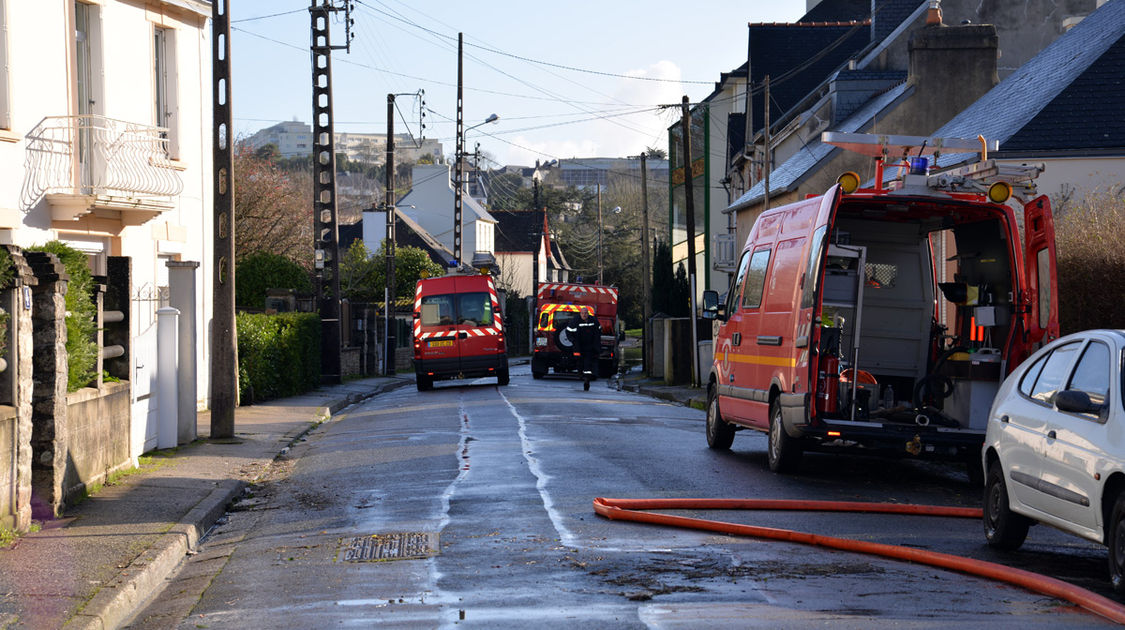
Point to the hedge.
(258, 272)
(81, 315)
(1090, 260)
(278, 355)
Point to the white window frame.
(5, 61)
(165, 83)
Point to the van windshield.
(470, 309)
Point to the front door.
(143, 417)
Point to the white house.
(430, 204)
(105, 143)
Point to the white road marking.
(565, 536)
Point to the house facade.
(105, 144)
(523, 240)
(897, 83)
(430, 204)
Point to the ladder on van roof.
(972, 178)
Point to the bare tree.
(273, 209)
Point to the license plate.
(441, 343)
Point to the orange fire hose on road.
(627, 510)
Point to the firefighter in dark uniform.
(586, 333)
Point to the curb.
(695, 402)
(118, 600)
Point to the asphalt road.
(505, 476)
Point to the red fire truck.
(458, 330)
(559, 302)
(884, 319)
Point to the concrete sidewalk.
(92, 568)
(636, 381)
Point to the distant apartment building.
(294, 138)
(590, 172)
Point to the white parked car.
(1054, 452)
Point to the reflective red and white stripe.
(546, 288)
(418, 309)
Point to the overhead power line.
(529, 59)
(272, 15)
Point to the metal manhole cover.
(393, 546)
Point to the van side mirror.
(711, 307)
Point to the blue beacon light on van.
(919, 165)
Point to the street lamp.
(460, 154)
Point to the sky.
(568, 79)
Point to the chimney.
(950, 68)
(933, 13)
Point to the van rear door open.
(1042, 316)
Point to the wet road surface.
(504, 476)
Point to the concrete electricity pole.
(389, 205)
(224, 342)
(600, 259)
(646, 339)
(326, 236)
(689, 208)
(458, 152)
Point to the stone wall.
(350, 362)
(15, 400)
(9, 467)
(97, 422)
(77, 439)
(48, 436)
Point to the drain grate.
(393, 546)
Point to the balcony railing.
(98, 157)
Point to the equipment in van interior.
(884, 319)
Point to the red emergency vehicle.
(458, 330)
(884, 320)
(559, 302)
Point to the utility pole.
(599, 232)
(326, 236)
(535, 266)
(646, 339)
(224, 341)
(769, 166)
(389, 247)
(689, 207)
(458, 169)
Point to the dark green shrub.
(7, 273)
(261, 271)
(81, 315)
(278, 355)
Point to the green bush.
(81, 315)
(7, 273)
(261, 271)
(278, 355)
(1090, 259)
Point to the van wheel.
(1003, 528)
(425, 383)
(502, 377)
(720, 434)
(784, 452)
(1116, 540)
(538, 368)
(606, 368)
